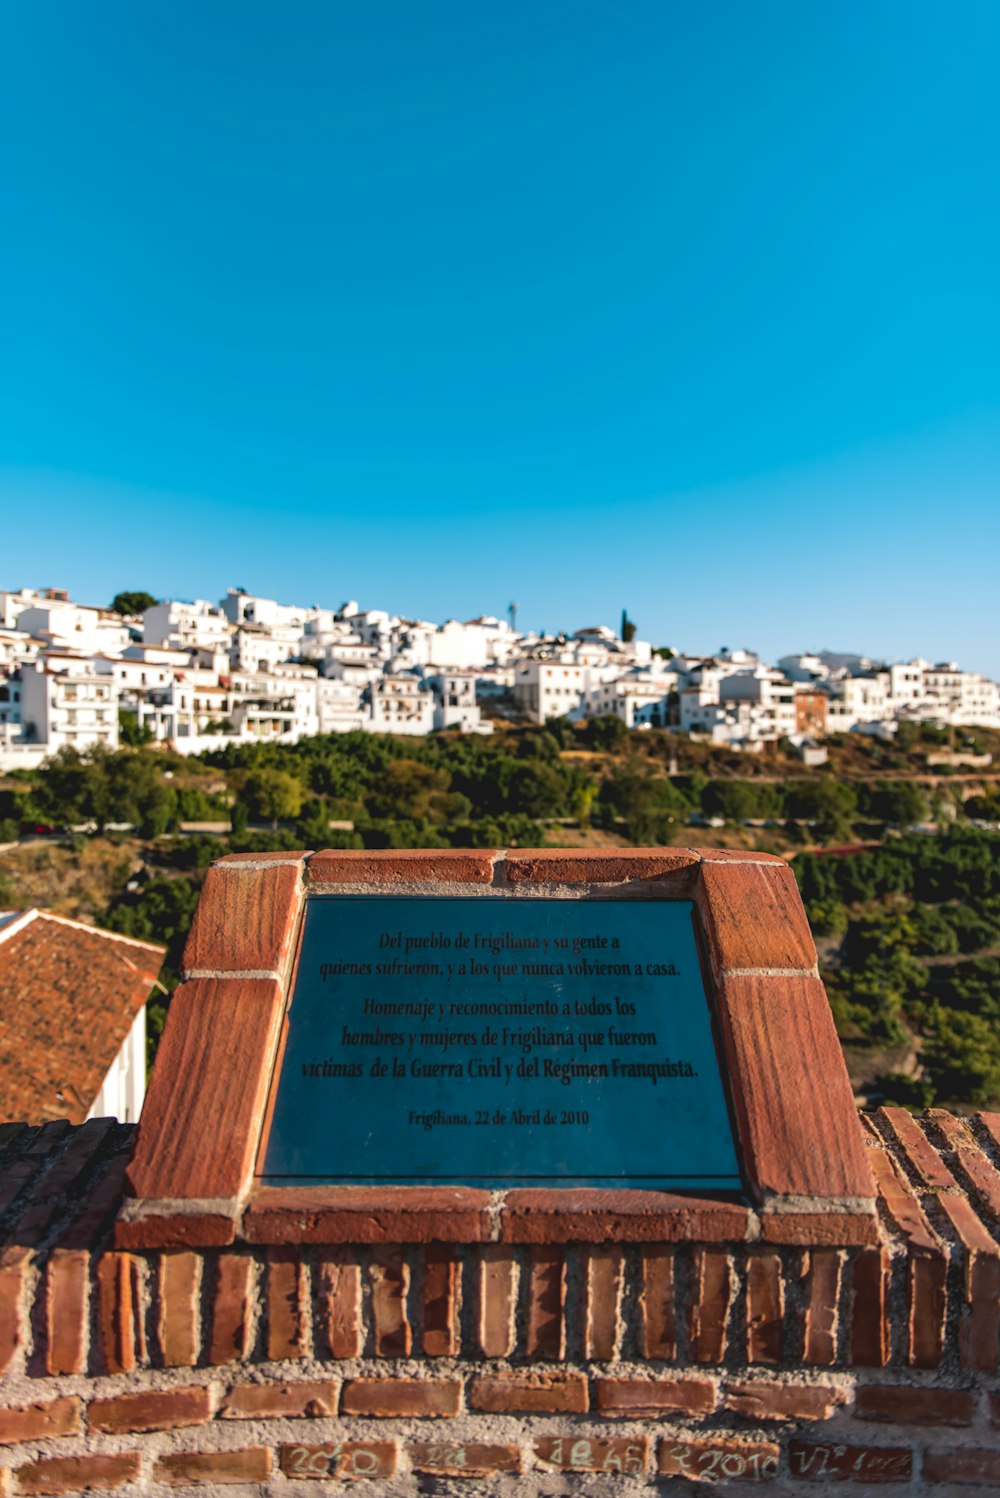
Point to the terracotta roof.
(68, 996)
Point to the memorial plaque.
(499, 1042)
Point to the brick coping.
(192, 1181)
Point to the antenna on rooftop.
(512, 611)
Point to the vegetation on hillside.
(909, 925)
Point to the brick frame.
(191, 1177)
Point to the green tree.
(962, 1056)
(410, 791)
(733, 800)
(827, 803)
(130, 604)
(604, 732)
(899, 802)
(273, 796)
(132, 733)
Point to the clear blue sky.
(691, 306)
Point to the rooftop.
(68, 996)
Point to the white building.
(550, 689)
(186, 626)
(63, 625)
(279, 704)
(455, 704)
(66, 701)
(249, 608)
(770, 698)
(339, 708)
(401, 704)
(643, 697)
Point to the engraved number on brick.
(823, 1461)
(336, 1460)
(715, 1464)
(446, 1456)
(585, 1456)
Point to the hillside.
(908, 923)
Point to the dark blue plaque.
(500, 1042)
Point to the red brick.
(339, 1459)
(826, 1462)
(177, 1317)
(710, 1304)
(35, 1151)
(170, 1229)
(719, 1460)
(406, 866)
(914, 1406)
(116, 1286)
(296, 856)
(338, 1295)
(870, 1273)
(40, 1422)
(671, 866)
(152, 1409)
(244, 920)
(287, 1305)
(605, 1266)
(819, 1229)
(963, 1466)
(657, 1304)
(765, 1308)
(923, 1158)
(45, 1207)
(232, 1309)
(586, 1215)
(980, 1324)
(253, 1464)
(983, 1176)
(295, 1215)
(753, 917)
(928, 1308)
(389, 1274)
(625, 1455)
(66, 1300)
(822, 1297)
(545, 1323)
(899, 1201)
(307, 1398)
(640, 1398)
(442, 1285)
(93, 1211)
(498, 1275)
(463, 1459)
(13, 1276)
(792, 1098)
(762, 1399)
(72, 1474)
(197, 1138)
(389, 1397)
(736, 855)
(530, 1394)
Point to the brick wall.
(492, 1367)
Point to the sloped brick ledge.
(191, 1177)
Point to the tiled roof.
(68, 996)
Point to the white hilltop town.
(199, 676)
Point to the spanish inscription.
(500, 1042)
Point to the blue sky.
(686, 307)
